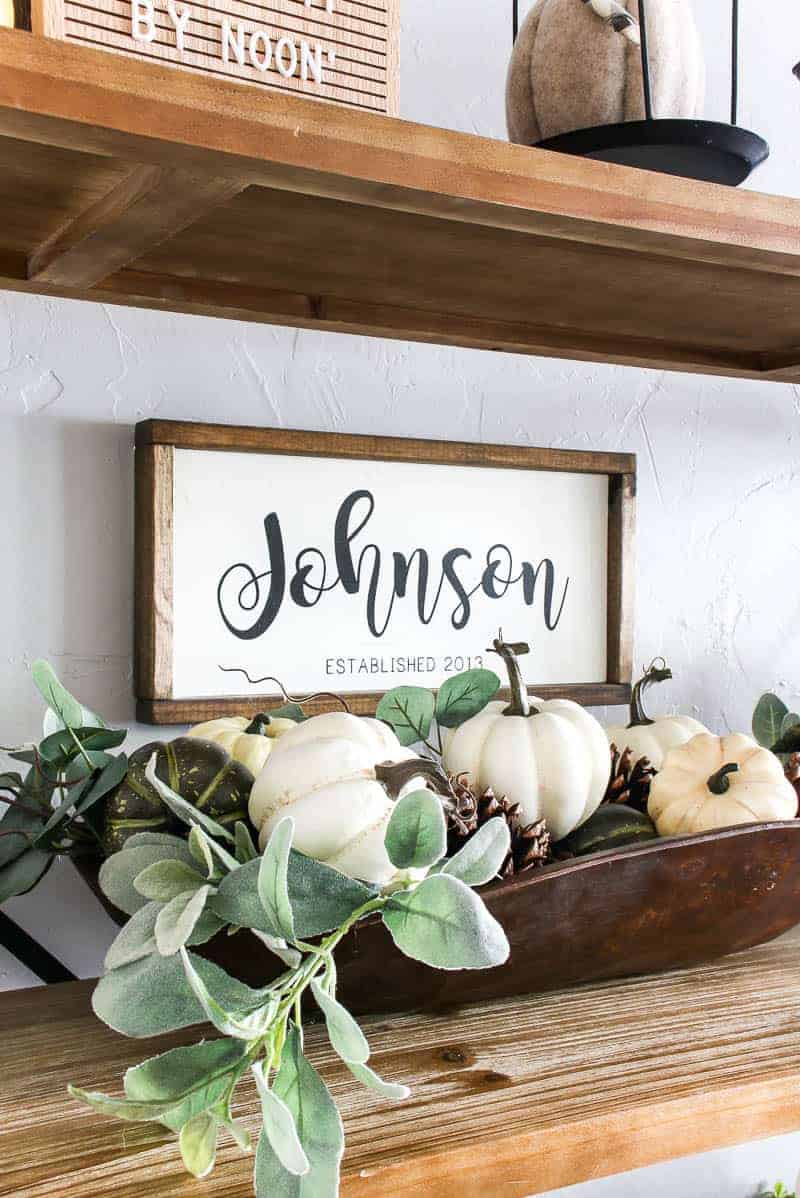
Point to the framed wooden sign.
(342, 50)
(355, 564)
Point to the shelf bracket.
(148, 206)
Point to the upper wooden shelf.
(514, 1098)
(132, 183)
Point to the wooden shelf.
(132, 183)
(515, 1098)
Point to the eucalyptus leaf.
(322, 898)
(789, 721)
(768, 719)
(106, 781)
(62, 747)
(280, 1127)
(87, 762)
(480, 859)
(178, 919)
(273, 887)
(150, 997)
(21, 875)
(198, 1143)
(25, 826)
(192, 1079)
(242, 1026)
(165, 880)
(185, 811)
(464, 696)
(416, 835)
(56, 696)
(319, 1128)
(369, 1078)
(408, 710)
(789, 741)
(117, 873)
(446, 925)
(344, 1033)
(245, 849)
(289, 711)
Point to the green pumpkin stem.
(719, 783)
(259, 725)
(520, 703)
(657, 671)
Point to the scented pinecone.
(468, 811)
(792, 771)
(629, 781)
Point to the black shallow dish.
(650, 907)
(705, 150)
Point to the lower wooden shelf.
(511, 1099)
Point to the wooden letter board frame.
(156, 441)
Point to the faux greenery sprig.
(775, 726)
(415, 714)
(180, 893)
(54, 808)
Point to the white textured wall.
(719, 546)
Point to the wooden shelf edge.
(515, 1097)
(88, 100)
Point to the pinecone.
(629, 781)
(468, 811)
(792, 771)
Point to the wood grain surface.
(344, 220)
(509, 1099)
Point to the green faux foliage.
(154, 984)
(775, 727)
(55, 806)
(778, 1191)
(181, 890)
(410, 711)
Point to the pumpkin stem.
(520, 703)
(657, 671)
(719, 783)
(394, 775)
(259, 725)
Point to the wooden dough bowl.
(659, 905)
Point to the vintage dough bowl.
(659, 905)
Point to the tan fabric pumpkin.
(570, 70)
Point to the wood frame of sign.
(156, 443)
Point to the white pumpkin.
(323, 773)
(652, 738)
(550, 756)
(716, 782)
(571, 70)
(247, 741)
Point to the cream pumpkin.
(716, 782)
(325, 773)
(571, 70)
(652, 738)
(247, 741)
(550, 756)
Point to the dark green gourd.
(612, 826)
(199, 771)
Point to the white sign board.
(354, 575)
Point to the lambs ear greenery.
(154, 984)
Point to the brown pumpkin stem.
(720, 783)
(394, 775)
(258, 725)
(657, 671)
(520, 703)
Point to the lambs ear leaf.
(446, 925)
(416, 835)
